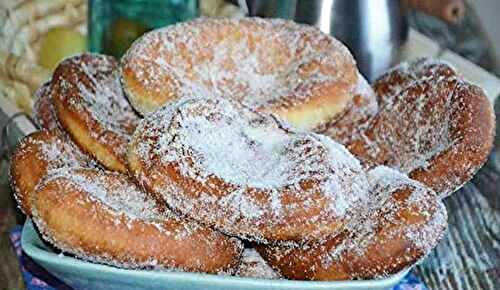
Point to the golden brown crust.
(43, 110)
(474, 130)
(82, 213)
(26, 173)
(403, 224)
(204, 158)
(274, 65)
(431, 124)
(348, 124)
(91, 107)
(391, 83)
(34, 158)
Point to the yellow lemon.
(58, 44)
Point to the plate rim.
(33, 247)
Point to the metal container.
(374, 30)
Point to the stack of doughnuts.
(216, 135)
(68, 179)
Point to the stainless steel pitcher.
(374, 30)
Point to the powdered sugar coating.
(431, 124)
(134, 230)
(112, 190)
(95, 80)
(253, 266)
(384, 182)
(349, 124)
(252, 172)
(262, 63)
(41, 154)
(43, 110)
(405, 74)
(45, 116)
(92, 107)
(61, 154)
(398, 225)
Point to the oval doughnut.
(104, 217)
(439, 130)
(350, 124)
(292, 70)
(92, 108)
(35, 157)
(244, 173)
(400, 224)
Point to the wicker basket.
(23, 23)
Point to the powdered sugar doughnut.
(91, 107)
(35, 157)
(104, 217)
(439, 130)
(244, 172)
(400, 223)
(293, 70)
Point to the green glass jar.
(114, 25)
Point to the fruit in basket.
(59, 43)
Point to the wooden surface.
(468, 258)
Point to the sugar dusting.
(60, 154)
(105, 99)
(258, 62)
(91, 85)
(405, 74)
(113, 190)
(426, 104)
(422, 109)
(397, 226)
(133, 212)
(348, 125)
(254, 266)
(43, 109)
(248, 151)
(41, 153)
(382, 210)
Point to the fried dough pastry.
(92, 108)
(293, 70)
